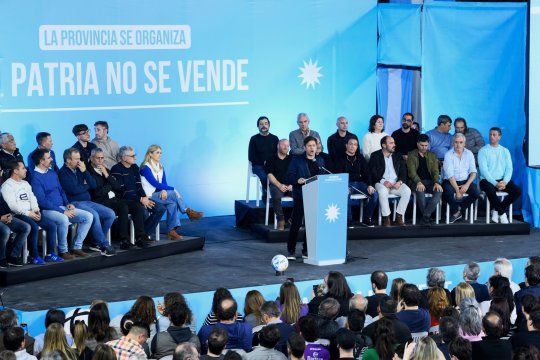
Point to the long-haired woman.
(290, 303)
(55, 340)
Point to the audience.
(298, 137)
(130, 346)
(103, 352)
(440, 140)
(310, 332)
(83, 143)
(52, 316)
(99, 329)
(416, 318)
(296, 345)
(14, 341)
(269, 336)
(8, 320)
(435, 278)
(290, 304)
(503, 267)
(406, 137)
(355, 323)
(55, 340)
(336, 288)
(8, 224)
(346, 342)
(103, 141)
(395, 290)
(532, 335)
(80, 335)
(532, 286)
(219, 294)
(460, 349)
(387, 310)
(448, 332)
(270, 316)
(359, 302)
(471, 272)
(474, 139)
(437, 301)
(384, 341)
(252, 306)
(492, 346)
(44, 141)
(276, 167)
(470, 320)
(9, 152)
(216, 344)
(379, 282)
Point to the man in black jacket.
(9, 153)
(337, 142)
(356, 166)
(492, 346)
(104, 194)
(389, 174)
(387, 309)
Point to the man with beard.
(405, 137)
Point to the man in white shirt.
(459, 172)
(14, 341)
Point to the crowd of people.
(496, 320)
(99, 183)
(432, 166)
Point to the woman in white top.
(154, 183)
(372, 140)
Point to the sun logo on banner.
(332, 213)
(310, 74)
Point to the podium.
(325, 212)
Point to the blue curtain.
(399, 34)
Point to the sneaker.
(13, 261)
(368, 222)
(79, 253)
(52, 257)
(125, 245)
(36, 261)
(495, 216)
(108, 250)
(3, 264)
(504, 219)
(142, 244)
(94, 247)
(291, 256)
(455, 217)
(304, 255)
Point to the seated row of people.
(84, 191)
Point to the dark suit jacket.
(377, 166)
(491, 348)
(298, 168)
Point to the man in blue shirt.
(440, 140)
(495, 175)
(459, 171)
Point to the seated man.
(130, 346)
(76, 180)
(424, 178)
(301, 168)
(405, 137)
(379, 283)
(83, 143)
(440, 140)
(103, 141)
(262, 147)
(56, 208)
(310, 332)
(495, 165)
(270, 316)
(354, 164)
(337, 142)
(269, 337)
(532, 286)
(104, 194)
(239, 333)
(276, 167)
(130, 188)
(8, 223)
(416, 318)
(473, 139)
(8, 153)
(44, 141)
(297, 137)
(492, 346)
(459, 173)
(23, 203)
(471, 272)
(14, 341)
(216, 344)
(389, 174)
(532, 335)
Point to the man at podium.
(302, 167)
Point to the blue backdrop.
(195, 83)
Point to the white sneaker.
(495, 216)
(504, 219)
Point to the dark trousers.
(496, 203)
(425, 206)
(123, 208)
(297, 217)
(277, 195)
(263, 177)
(154, 217)
(465, 202)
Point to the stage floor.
(234, 257)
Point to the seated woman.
(154, 183)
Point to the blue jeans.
(21, 229)
(153, 219)
(174, 206)
(263, 177)
(372, 202)
(82, 218)
(58, 231)
(103, 219)
(47, 225)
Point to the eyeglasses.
(83, 132)
(407, 120)
(99, 157)
(131, 156)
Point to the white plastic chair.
(501, 194)
(471, 219)
(267, 213)
(437, 209)
(395, 197)
(251, 175)
(361, 198)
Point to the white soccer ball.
(280, 263)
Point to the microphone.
(350, 186)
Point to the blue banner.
(399, 34)
(192, 76)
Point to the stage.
(234, 257)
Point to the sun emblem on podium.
(332, 213)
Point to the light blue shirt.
(389, 171)
(439, 142)
(495, 163)
(459, 168)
